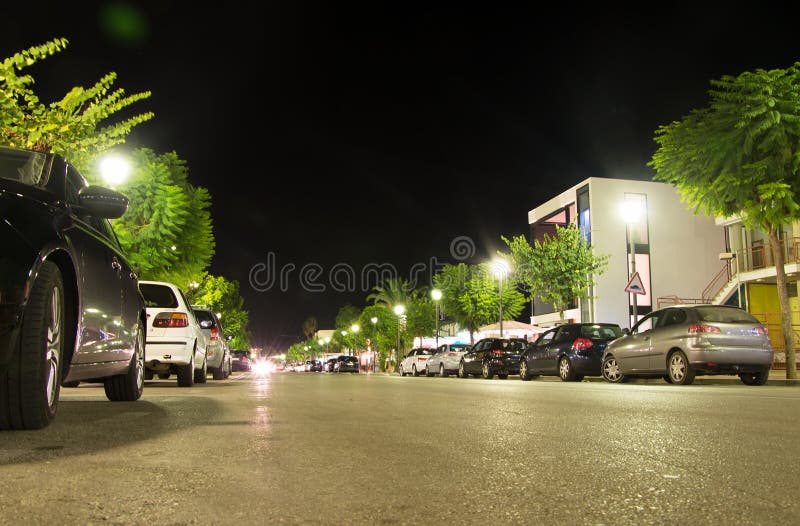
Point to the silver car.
(446, 359)
(680, 342)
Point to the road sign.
(635, 285)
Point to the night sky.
(381, 134)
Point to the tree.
(166, 232)
(391, 292)
(310, 327)
(420, 314)
(70, 126)
(382, 332)
(559, 269)
(741, 156)
(470, 295)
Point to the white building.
(676, 252)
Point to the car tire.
(610, 370)
(400, 369)
(414, 370)
(523, 371)
(565, 370)
(428, 372)
(487, 372)
(129, 386)
(201, 375)
(186, 373)
(667, 378)
(679, 369)
(31, 383)
(164, 376)
(442, 371)
(148, 374)
(759, 378)
(72, 384)
(461, 372)
(218, 373)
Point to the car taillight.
(499, 353)
(703, 328)
(214, 334)
(422, 358)
(451, 354)
(171, 320)
(581, 344)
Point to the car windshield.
(513, 345)
(348, 359)
(601, 332)
(158, 296)
(724, 315)
(204, 315)
(426, 352)
(23, 166)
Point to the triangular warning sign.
(635, 285)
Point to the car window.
(158, 296)
(721, 314)
(647, 323)
(673, 317)
(425, 352)
(204, 315)
(24, 166)
(564, 334)
(546, 337)
(515, 345)
(74, 183)
(601, 332)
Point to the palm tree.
(391, 292)
(310, 327)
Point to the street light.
(436, 294)
(114, 169)
(399, 310)
(632, 210)
(500, 270)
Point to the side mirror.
(102, 202)
(626, 331)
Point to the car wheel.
(679, 370)
(219, 373)
(201, 375)
(442, 371)
(31, 383)
(164, 376)
(186, 373)
(401, 371)
(611, 370)
(129, 386)
(428, 372)
(667, 378)
(148, 374)
(414, 370)
(759, 378)
(75, 383)
(461, 372)
(523, 371)
(487, 372)
(565, 371)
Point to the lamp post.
(631, 213)
(399, 310)
(436, 294)
(500, 270)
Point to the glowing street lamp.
(114, 169)
(500, 270)
(436, 294)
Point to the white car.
(175, 343)
(414, 362)
(446, 359)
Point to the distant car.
(492, 356)
(70, 308)
(240, 360)
(346, 364)
(175, 342)
(315, 365)
(570, 351)
(444, 361)
(680, 342)
(330, 365)
(216, 345)
(415, 361)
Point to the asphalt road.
(311, 448)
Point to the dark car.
(330, 364)
(571, 351)
(492, 356)
(70, 308)
(240, 360)
(346, 364)
(314, 365)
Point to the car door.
(106, 330)
(634, 351)
(666, 336)
(562, 341)
(472, 363)
(537, 354)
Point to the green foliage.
(392, 292)
(383, 333)
(165, 211)
(559, 269)
(471, 296)
(310, 327)
(222, 296)
(420, 314)
(70, 126)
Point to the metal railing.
(759, 254)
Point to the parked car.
(70, 308)
(680, 342)
(571, 351)
(492, 356)
(414, 362)
(217, 353)
(175, 342)
(314, 365)
(330, 364)
(346, 364)
(445, 359)
(240, 360)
